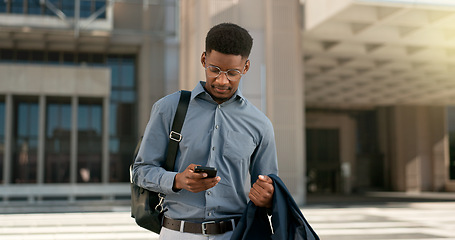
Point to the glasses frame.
(225, 72)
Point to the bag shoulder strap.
(175, 136)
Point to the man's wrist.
(175, 186)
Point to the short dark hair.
(229, 38)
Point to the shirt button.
(217, 126)
(209, 193)
(209, 214)
(213, 148)
(219, 106)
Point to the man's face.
(221, 88)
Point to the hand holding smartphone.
(211, 171)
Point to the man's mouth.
(221, 89)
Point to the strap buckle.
(204, 227)
(159, 207)
(175, 136)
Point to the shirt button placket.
(209, 195)
(215, 136)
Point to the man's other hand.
(262, 192)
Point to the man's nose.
(222, 78)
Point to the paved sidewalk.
(403, 221)
(340, 218)
(71, 226)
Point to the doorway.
(330, 152)
(323, 160)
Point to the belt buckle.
(204, 227)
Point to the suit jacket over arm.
(287, 219)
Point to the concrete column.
(7, 160)
(195, 23)
(285, 101)
(439, 147)
(73, 140)
(418, 149)
(5, 116)
(41, 139)
(406, 161)
(105, 142)
(150, 79)
(276, 62)
(151, 69)
(73, 144)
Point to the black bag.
(146, 206)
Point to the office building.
(360, 92)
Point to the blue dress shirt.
(235, 137)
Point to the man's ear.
(203, 59)
(247, 66)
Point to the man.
(221, 129)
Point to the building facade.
(77, 82)
(379, 86)
(359, 91)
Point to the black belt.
(205, 228)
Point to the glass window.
(83, 58)
(37, 56)
(114, 63)
(128, 75)
(17, 6)
(26, 141)
(49, 12)
(22, 56)
(89, 136)
(67, 7)
(122, 140)
(34, 7)
(58, 138)
(2, 136)
(128, 96)
(451, 128)
(86, 8)
(112, 119)
(123, 107)
(98, 59)
(6, 55)
(98, 5)
(3, 7)
(122, 131)
(53, 57)
(68, 58)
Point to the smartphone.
(211, 171)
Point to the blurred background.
(361, 93)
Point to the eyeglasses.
(233, 75)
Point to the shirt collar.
(199, 89)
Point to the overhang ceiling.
(371, 54)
